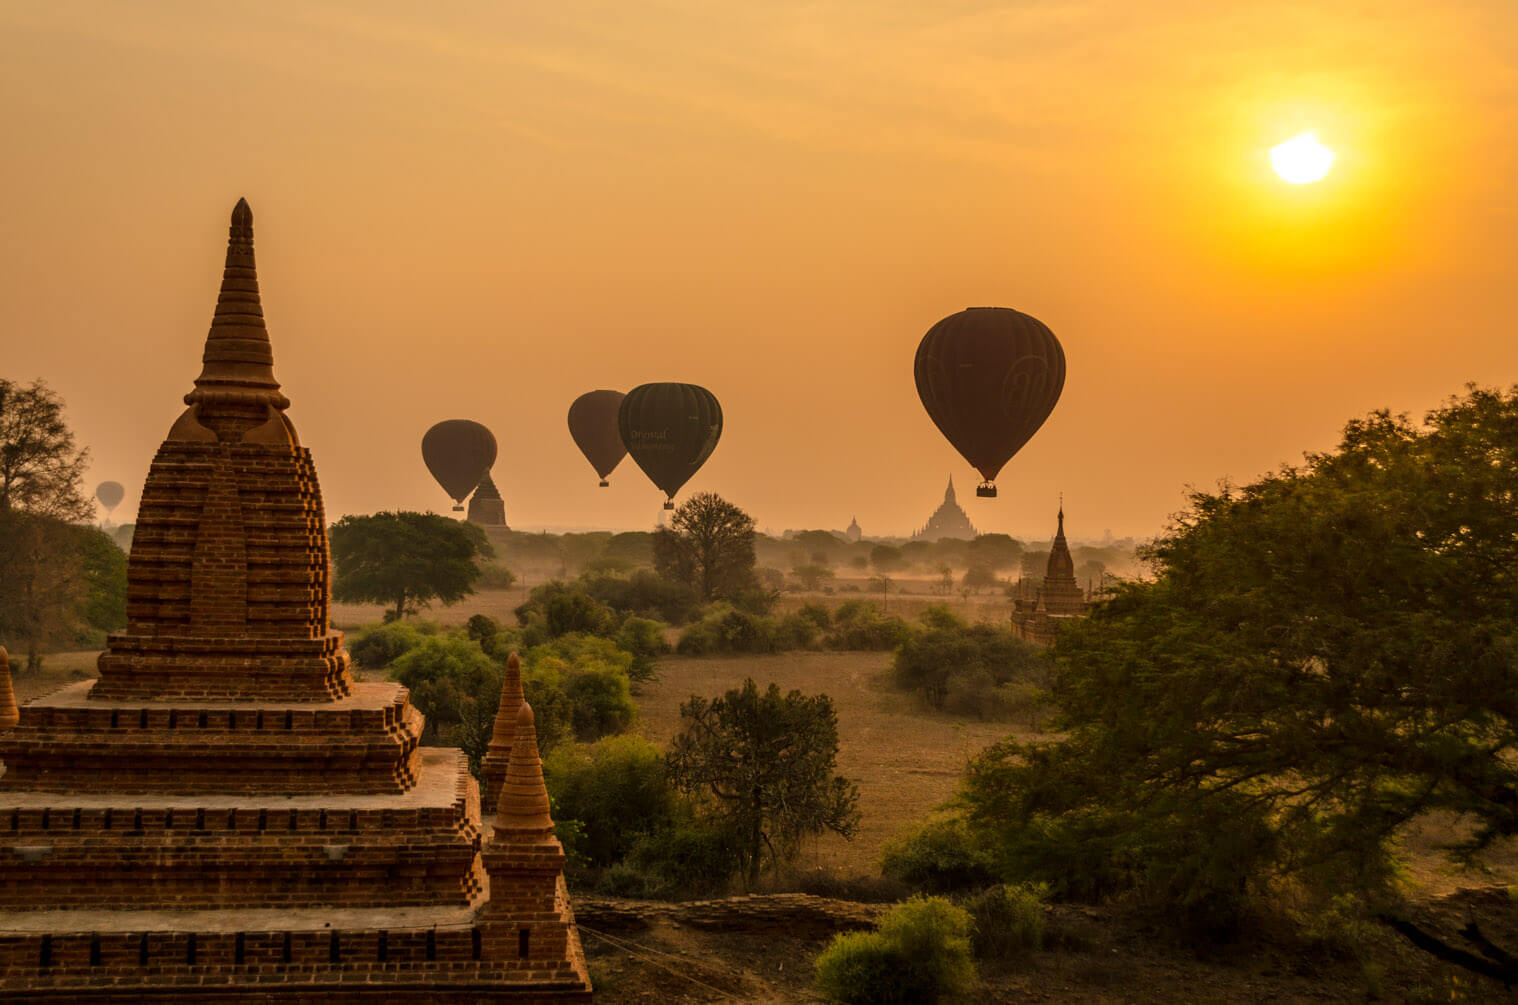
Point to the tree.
(812, 575)
(41, 495)
(405, 559)
(709, 544)
(1322, 656)
(995, 551)
(883, 584)
(945, 578)
(766, 762)
(887, 559)
(978, 577)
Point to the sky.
(482, 209)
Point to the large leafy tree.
(709, 545)
(1322, 656)
(43, 578)
(765, 763)
(405, 560)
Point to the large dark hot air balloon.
(110, 495)
(989, 377)
(670, 430)
(458, 452)
(593, 424)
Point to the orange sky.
(483, 210)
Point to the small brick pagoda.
(1056, 601)
(226, 814)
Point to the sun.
(1301, 159)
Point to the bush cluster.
(982, 670)
(855, 625)
(920, 952)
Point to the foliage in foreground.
(920, 952)
(1323, 656)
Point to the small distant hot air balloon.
(670, 430)
(989, 377)
(458, 452)
(110, 495)
(593, 424)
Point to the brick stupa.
(227, 814)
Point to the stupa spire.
(498, 753)
(9, 714)
(948, 495)
(238, 364)
(522, 814)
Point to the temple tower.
(226, 812)
(1057, 599)
(486, 507)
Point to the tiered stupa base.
(400, 954)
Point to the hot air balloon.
(670, 430)
(458, 452)
(989, 377)
(593, 424)
(110, 495)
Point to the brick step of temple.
(72, 741)
(261, 663)
(421, 846)
(401, 954)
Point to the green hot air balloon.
(593, 424)
(989, 377)
(670, 430)
(458, 452)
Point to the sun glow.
(1301, 159)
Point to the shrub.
(725, 630)
(1007, 919)
(860, 625)
(940, 856)
(644, 639)
(643, 594)
(583, 686)
(495, 577)
(969, 662)
(376, 648)
(617, 788)
(693, 857)
(919, 953)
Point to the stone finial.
(498, 753)
(238, 361)
(522, 813)
(9, 713)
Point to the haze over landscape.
(483, 211)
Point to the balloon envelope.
(989, 377)
(593, 424)
(110, 494)
(458, 452)
(670, 430)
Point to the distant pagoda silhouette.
(1058, 599)
(226, 814)
(948, 520)
(486, 507)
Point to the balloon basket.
(669, 504)
(605, 483)
(986, 490)
(458, 509)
